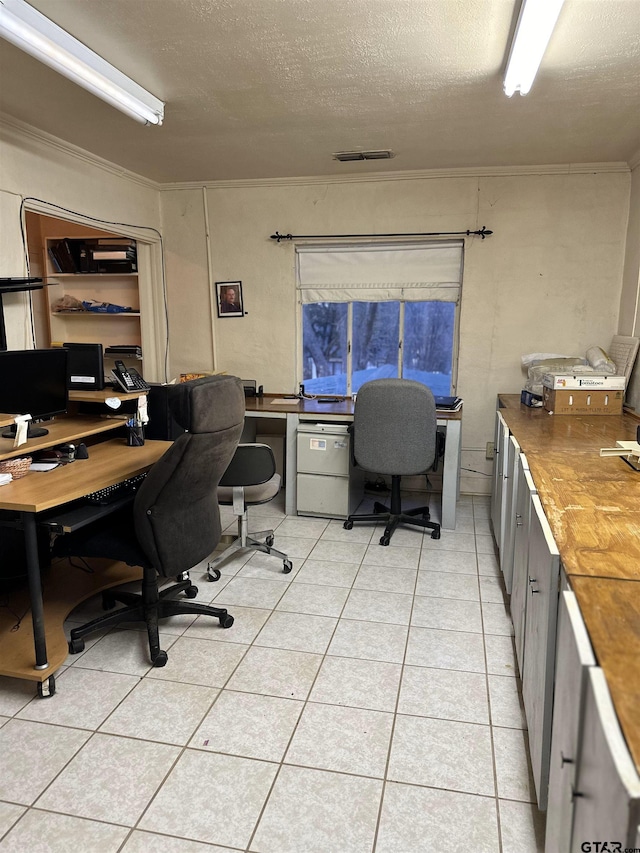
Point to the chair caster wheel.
(269, 541)
(160, 659)
(348, 525)
(226, 621)
(435, 534)
(108, 601)
(213, 574)
(47, 688)
(76, 646)
(384, 540)
(191, 591)
(287, 565)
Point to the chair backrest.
(394, 427)
(176, 515)
(252, 465)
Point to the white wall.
(630, 303)
(35, 166)
(549, 279)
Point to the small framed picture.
(229, 298)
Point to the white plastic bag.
(600, 361)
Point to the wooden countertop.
(592, 504)
(273, 405)
(611, 611)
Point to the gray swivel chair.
(249, 480)
(394, 434)
(173, 522)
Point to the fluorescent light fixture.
(535, 24)
(25, 27)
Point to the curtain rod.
(482, 232)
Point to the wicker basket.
(16, 467)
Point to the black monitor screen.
(33, 382)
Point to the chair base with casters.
(148, 607)
(244, 542)
(394, 515)
(250, 479)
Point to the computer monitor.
(33, 382)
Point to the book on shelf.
(112, 254)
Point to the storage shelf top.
(95, 314)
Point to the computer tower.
(85, 367)
(162, 425)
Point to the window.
(377, 312)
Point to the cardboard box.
(593, 381)
(582, 402)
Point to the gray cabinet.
(520, 583)
(540, 644)
(573, 659)
(498, 494)
(327, 483)
(607, 796)
(510, 478)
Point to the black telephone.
(128, 378)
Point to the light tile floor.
(366, 702)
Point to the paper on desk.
(43, 466)
(5, 478)
(279, 401)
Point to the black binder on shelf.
(448, 404)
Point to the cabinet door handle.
(533, 580)
(564, 760)
(518, 520)
(575, 794)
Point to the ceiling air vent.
(350, 156)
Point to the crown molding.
(421, 174)
(12, 127)
(20, 130)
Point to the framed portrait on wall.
(229, 298)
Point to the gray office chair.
(173, 522)
(394, 434)
(250, 479)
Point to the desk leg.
(451, 474)
(291, 465)
(35, 589)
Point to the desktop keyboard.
(110, 494)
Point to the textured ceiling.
(271, 88)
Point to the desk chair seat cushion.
(394, 427)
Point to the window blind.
(380, 272)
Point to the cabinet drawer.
(607, 804)
(323, 495)
(540, 644)
(323, 453)
(574, 657)
(519, 582)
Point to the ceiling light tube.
(32, 32)
(535, 24)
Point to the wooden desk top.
(109, 462)
(536, 428)
(60, 431)
(611, 611)
(592, 504)
(343, 408)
